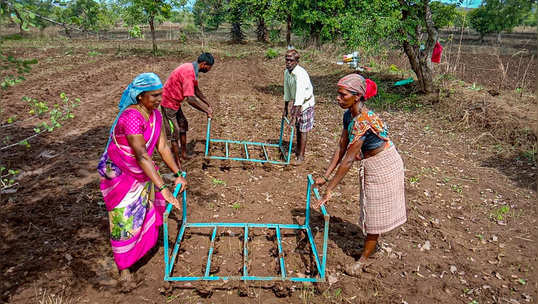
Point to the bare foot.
(127, 281)
(354, 270)
(187, 156)
(298, 161)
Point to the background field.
(469, 153)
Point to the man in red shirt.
(183, 85)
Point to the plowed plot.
(470, 236)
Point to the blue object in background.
(404, 82)
(286, 151)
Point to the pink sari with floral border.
(135, 208)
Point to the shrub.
(271, 53)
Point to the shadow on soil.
(389, 97)
(516, 167)
(52, 227)
(344, 234)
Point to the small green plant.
(136, 32)
(36, 107)
(475, 87)
(271, 53)
(457, 188)
(521, 281)
(59, 113)
(480, 237)
(217, 181)
(414, 179)
(530, 155)
(94, 53)
(7, 178)
(236, 206)
(500, 213)
(10, 81)
(394, 68)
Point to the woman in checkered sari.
(365, 138)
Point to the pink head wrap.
(356, 84)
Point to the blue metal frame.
(287, 156)
(170, 257)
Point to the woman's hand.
(323, 200)
(180, 180)
(170, 198)
(320, 181)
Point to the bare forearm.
(340, 173)
(201, 96)
(195, 103)
(144, 161)
(168, 158)
(334, 162)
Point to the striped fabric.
(305, 120)
(382, 198)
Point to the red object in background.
(437, 51)
(371, 89)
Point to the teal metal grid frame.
(286, 154)
(321, 262)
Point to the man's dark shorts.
(175, 122)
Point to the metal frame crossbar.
(245, 144)
(170, 257)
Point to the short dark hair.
(207, 58)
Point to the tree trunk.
(421, 60)
(288, 30)
(21, 30)
(315, 35)
(67, 30)
(152, 28)
(261, 30)
(499, 37)
(237, 33)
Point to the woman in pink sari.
(135, 195)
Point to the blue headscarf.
(142, 83)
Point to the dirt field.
(471, 230)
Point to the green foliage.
(237, 15)
(36, 107)
(209, 14)
(136, 32)
(7, 177)
(443, 14)
(151, 12)
(321, 21)
(271, 53)
(461, 19)
(495, 16)
(530, 18)
(500, 213)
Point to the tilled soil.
(470, 235)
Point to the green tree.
(413, 24)
(19, 12)
(237, 11)
(281, 11)
(318, 21)
(496, 16)
(149, 11)
(209, 14)
(259, 11)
